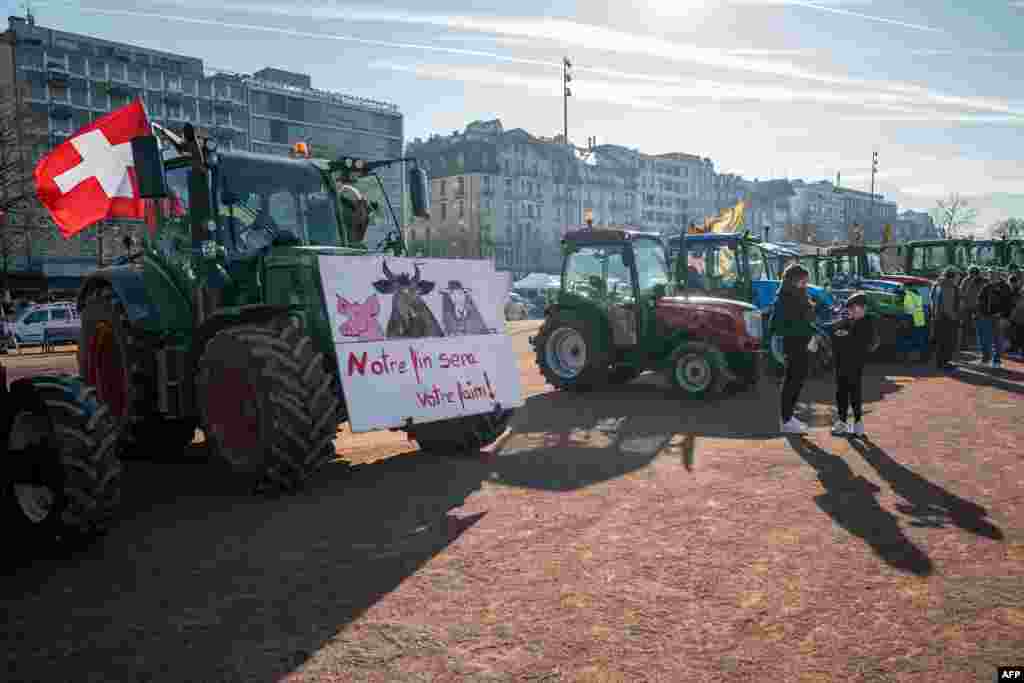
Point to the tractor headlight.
(752, 320)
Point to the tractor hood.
(704, 302)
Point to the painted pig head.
(362, 317)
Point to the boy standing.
(851, 340)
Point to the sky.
(765, 88)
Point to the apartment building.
(529, 190)
(67, 80)
(817, 209)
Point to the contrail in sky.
(848, 13)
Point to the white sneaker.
(800, 422)
(858, 428)
(840, 428)
(794, 426)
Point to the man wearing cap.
(852, 339)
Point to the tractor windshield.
(936, 256)
(258, 200)
(599, 273)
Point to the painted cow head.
(410, 316)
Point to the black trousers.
(946, 330)
(849, 392)
(797, 364)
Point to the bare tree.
(22, 218)
(953, 216)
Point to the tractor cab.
(622, 310)
(929, 258)
(621, 275)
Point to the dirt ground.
(620, 536)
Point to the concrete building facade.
(527, 190)
(817, 208)
(68, 80)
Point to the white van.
(30, 323)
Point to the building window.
(279, 132)
(444, 188)
(460, 186)
(444, 211)
(461, 208)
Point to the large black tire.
(461, 435)
(571, 355)
(267, 403)
(123, 370)
(62, 476)
(695, 371)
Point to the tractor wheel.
(623, 374)
(461, 435)
(569, 356)
(62, 474)
(116, 359)
(694, 371)
(267, 403)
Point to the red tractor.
(619, 314)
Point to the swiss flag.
(91, 176)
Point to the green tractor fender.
(130, 287)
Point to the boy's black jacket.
(851, 340)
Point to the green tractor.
(221, 321)
(618, 314)
(929, 258)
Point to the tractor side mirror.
(149, 167)
(419, 192)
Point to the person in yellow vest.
(913, 305)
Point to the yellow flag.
(729, 220)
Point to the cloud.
(595, 92)
(586, 36)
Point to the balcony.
(61, 111)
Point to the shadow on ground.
(850, 500)
(202, 583)
(927, 503)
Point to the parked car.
(30, 325)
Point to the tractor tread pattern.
(86, 435)
(303, 403)
(596, 372)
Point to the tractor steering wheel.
(262, 222)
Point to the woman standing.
(794, 322)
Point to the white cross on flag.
(91, 176)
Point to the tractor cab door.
(725, 273)
(599, 276)
(651, 266)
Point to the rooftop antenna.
(29, 17)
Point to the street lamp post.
(566, 94)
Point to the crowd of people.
(985, 305)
